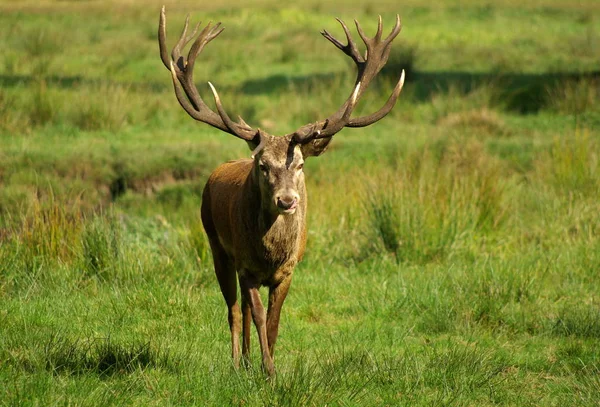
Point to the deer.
(254, 209)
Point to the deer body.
(254, 210)
(251, 235)
(266, 245)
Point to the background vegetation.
(454, 247)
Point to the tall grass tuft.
(101, 242)
(383, 218)
(572, 165)
(483, 121)
(435, 206)
(41, 46)
(42, 108)
(198, 243)
(9, 114)
(457, 98)
(574, 96)
(50, 232)
(334, 378)
(106, 109)
(580, 321)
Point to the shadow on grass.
(581, 322)
(518, 92)
(68, 82)
(103, 356)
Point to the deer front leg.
(250, 290)
(277, 296)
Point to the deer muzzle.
(287, 204)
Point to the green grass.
(459, 267)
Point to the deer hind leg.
(226, 275)
(277, 296)
(250, 290)
(246, 318)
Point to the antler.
(376, 56)
(182, 71)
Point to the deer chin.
(285, 212)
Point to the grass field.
(454, 247)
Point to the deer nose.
(287, 202)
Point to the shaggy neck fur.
(280, 233)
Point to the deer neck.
(280, 233)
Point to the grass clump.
(101, 244)
(434, 206)
(579, 321)
(106, 109)
(572, 165)
(575, 96)
(9, 116)
(198, 243)
(481, 121)
(470, 96)
(43, 108)
(50, 232)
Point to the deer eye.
(263, 168)
(300, 167)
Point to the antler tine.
(231, 125)
(395, 31)
(176, 52)
(193, 34)
(206, 35)
(183, 100)
(327, 127)
(362, 34)
(162, 39)
(350, 49)
(261, 144)
(183, 78)
(381, 113)
(379, 29)
(329, 131)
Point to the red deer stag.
(254, 210)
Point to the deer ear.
(315, 148)
(257, 143)
(252, 144)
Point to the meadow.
(454, 247)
